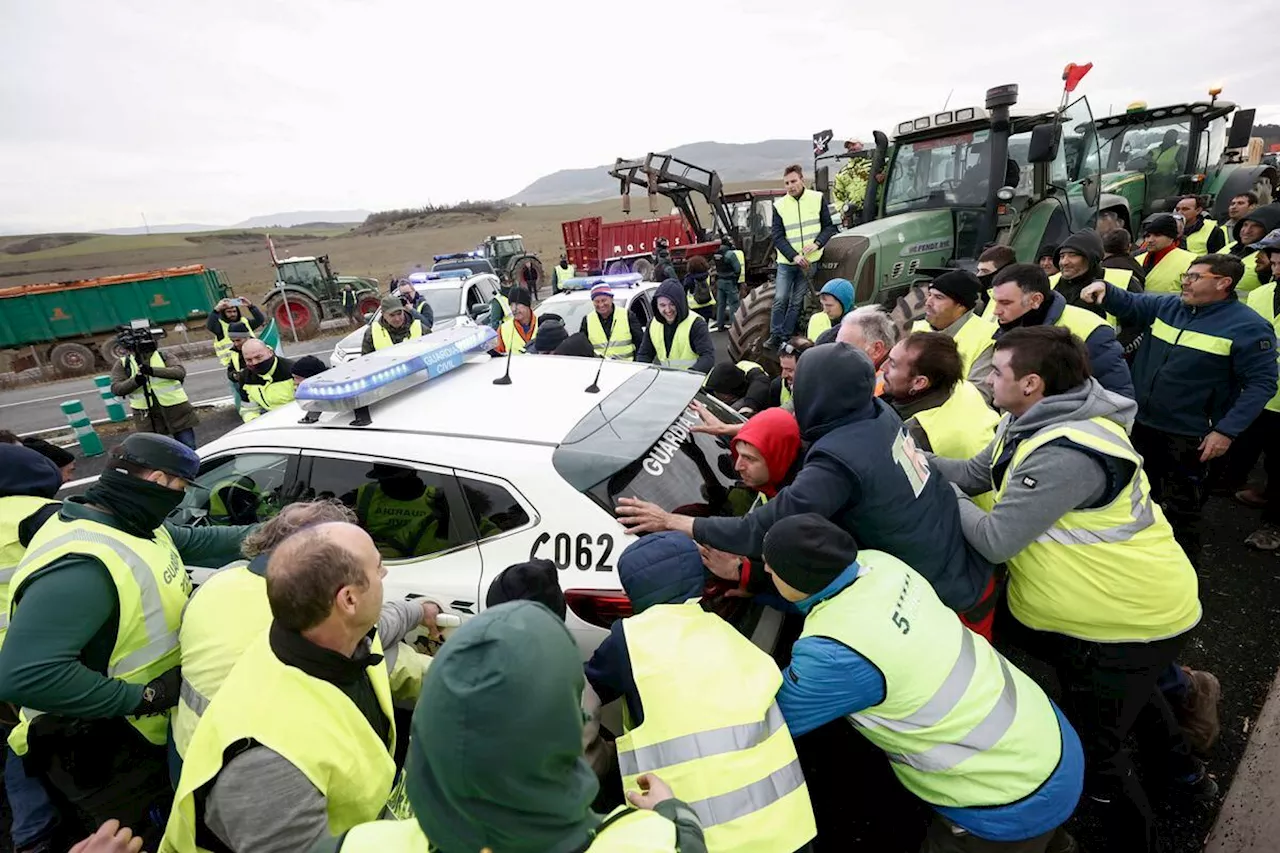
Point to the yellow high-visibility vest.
(975, 337)
(382, 337)
(270, 394)
(617, 344)
(1118, 277)
(1111, 574)
(960, 726)
(511, 339)
(563, 275)
(713, 732)
(14, 510)
(401, 528)
(300, 718)
(168, 392)
(682, 355)
(1166, 276)
(1262, 300)
(818, 324)
(802, 218)
(222, 346)
(152, 587)
(1198, 242)
(961, 428)
(742, 265)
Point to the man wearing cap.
(306, 367)
(1201, 234)
(1162, 260)
(551, 334)
(949, 308)
(963, 729)
(65, 460)
(1251, 228)
(91, 653)
(731, 274)
(227, 312)
(612, 335)
(396, 323)
(836, 299)
(153, 387)
(1204, 371)
(238, 333)
(518, 330)
(269, 382)
(850, 186)
(561, 273)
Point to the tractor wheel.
(642, 267)
(516, 271)
(618, 268)
(750, 329)
(1263, 187)
(367, 303)
(909, 308)
(301, 315)
(73, 360)
(111, 351)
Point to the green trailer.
(72, 325)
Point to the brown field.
(242, 255)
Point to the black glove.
(145, 370)
(160, 694)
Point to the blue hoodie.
(661, 568)
(842, 290)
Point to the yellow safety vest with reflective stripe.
(401, 528)
(222, 346)
(270, 394)
(818, 324)
(168, 392)
(382, 338)
(563, 275)
(14, 510)
(617, 344)
(712, 730)
(407, 671)
(1116, 277)
(960, 725)
(1167, 161)
(511, 339)
(1198, 241)
(802, 219)
(711, 297)
(961, 428)
(226, 614)
(975, 337)
(506, 305)
(152, 588)
(309, 722)
(682, 355)
(1249, 282)
(1261, 300)
(742, 265)
(1112, 574)
(1166, 276)
(1082, 323)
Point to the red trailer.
(597, 247)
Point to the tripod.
(153, 405)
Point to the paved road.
(36, 407)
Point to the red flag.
(1073, 74)
(272, 249)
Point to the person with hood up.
(699, 290)
(1047, 258)
(949, 308)
(836, 299)
(863, 472)
(612, 334)
(963, 729)
(677, 338)
(269, 383)
(28, 483)
(561, 273)
(1080, 265)
(520, 328)
(64, 459)
(1023, 299)
(551, 334)
(495, 755)
(397, 323)
(744, 386)
(578, 345)
(723, 681)
(1117, 254)
(1251, 228)
(1098, 586)
(1201, 234)
(1162, 260)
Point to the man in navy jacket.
(1205, 370)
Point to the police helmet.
(159, 453)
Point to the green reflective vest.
(1111, 574)
(802, 219)
(168, 392)
(712, 730)
(14, 510)
(152, 587)
(682, 355)
(961, 726)
(1166, 276)
(401, 528)
(222, 346)
(301, 718)
(617, 344)
(1262, 300)
(382, 337)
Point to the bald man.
(298, 743)
(268, 382)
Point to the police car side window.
(494, 510)
(408, 512)
(242, 489)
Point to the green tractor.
(1153, 157)
(509, 259)
(956, 182)
(307, 292)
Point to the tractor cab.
(750, 215)
(829, 163)
(313, 274)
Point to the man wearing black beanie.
(880, 648)
(948, 308)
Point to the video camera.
(139, 336)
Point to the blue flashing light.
(628, 279)
(453, 256)
(441, 275)
(387, 372)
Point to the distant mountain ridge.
(732, 161)
(287, 219)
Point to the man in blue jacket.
(1205, 370)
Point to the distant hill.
(734, 162)
(183, 228)
(302, 217)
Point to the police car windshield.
(572, 311)
(637, 443)
(444, 302)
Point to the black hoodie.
(853, 476)
(1089, 244)
(1268, 216)
(699, 335)
(26, 473)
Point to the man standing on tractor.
(561, 273)
(851, 181)
(801, 227)
(1202, 235)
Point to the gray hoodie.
(1051, 482)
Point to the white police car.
(630, 294)
(455, 297)
(457, 473)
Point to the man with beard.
(1251, 228)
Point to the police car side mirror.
(478, 310)
(368, 316)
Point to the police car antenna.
(594, 387)
(505, 379)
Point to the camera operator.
(153, 387)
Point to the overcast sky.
(217, 111)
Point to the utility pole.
(145, 226)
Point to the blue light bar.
(453, 256)
(424, 277)
(627, 279)
(387, 372)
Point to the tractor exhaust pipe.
(999, 99)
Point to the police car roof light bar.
(628, 279)
(356, 385)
